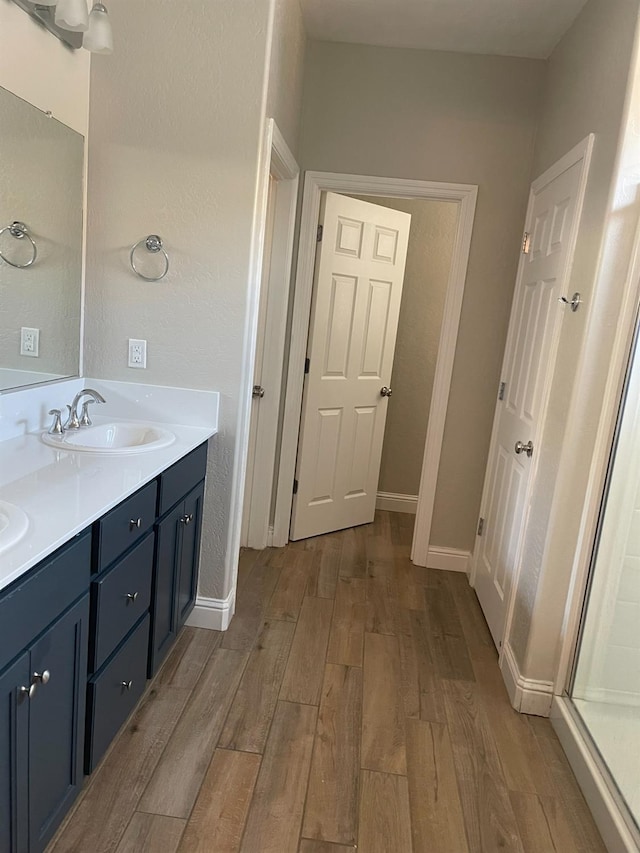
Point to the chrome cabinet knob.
(135, 524)
(132, 597)
(187, 519)
(258, 391)
(40, 677)
(126, 685)
(385, 392)
(27, 691)
(524, 448)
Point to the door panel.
(14, 751)
(528, 367)
(354, 319)
(56, 723)
(187, 581)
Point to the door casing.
(465, 196)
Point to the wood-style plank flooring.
(355, 702)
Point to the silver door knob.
(385, 392)
(524, 448)
(28, 691)
(126, 685)
(258, 391)
(132, 597)
(40, 677)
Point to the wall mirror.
(41, 219)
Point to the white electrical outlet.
(30, 342)
(137, 353)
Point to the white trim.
(448, 559)
(604, 802)
(315, 184)
(213, 613)
(527, 695)
(607, 696)
(257, 505)
(392, 502)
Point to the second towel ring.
(152, 244)
(19, 230)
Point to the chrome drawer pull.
(132, 597)
(127, 684)
(135, 524)
(187, 519)
(40, 677)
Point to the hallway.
(355, 701)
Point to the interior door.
(536, 316)
(354, 319)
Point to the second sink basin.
(13, 525)
(112, 438)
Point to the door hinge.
(319, 233)
(503, 386)
(526, 243)
(307, 365)
(295, 487)
(480, 527)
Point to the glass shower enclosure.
(605, 682)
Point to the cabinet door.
(14, 751)
(56, 721)
(187, 577)
(163, 629)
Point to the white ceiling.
(506, 27)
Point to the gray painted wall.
(442, 117)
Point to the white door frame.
(465, 195)
(257, 504)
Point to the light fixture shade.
(72, 15)
(99, 36)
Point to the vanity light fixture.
(71, 22)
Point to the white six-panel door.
(354, 319)
(536, 316)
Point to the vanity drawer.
(125, 525)
(119, 598)
(110, 701)
(32, 603)
(178, 480)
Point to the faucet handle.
(85, 420)
(56, 427)
(72, 421)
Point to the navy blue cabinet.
(14, 751)
(42, 695)
(178, 531)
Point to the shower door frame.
(609, 810)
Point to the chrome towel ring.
(152, 244)
(19, 230)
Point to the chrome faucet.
(75, 421)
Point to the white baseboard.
(448, 559)
(391, 502)
(527, 695)
(213, 613)
(615, 827)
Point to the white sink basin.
(13, 525)
(112, 438)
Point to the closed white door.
(354, 319)
(554, 212)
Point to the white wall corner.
(527, 695)
(448, 559)
(392, 502)
(215, 614)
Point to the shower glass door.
(605, 687)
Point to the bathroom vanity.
(85, 623)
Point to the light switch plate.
(29, 342)
(137, 353)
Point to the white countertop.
(63, 492)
